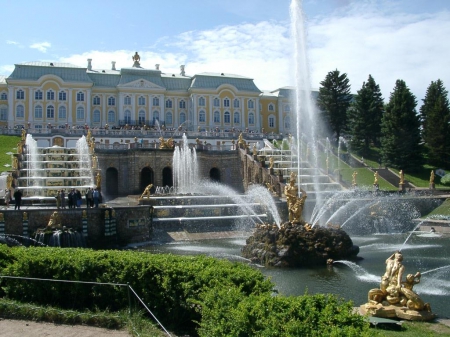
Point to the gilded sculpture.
(375, 180)
(432, 177)
(294, 202)
(54, 221)
(147, 192)
(271, 162)
(166, 144)
(402, 177)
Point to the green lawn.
(7, 144)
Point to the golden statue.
(432, 177)
(24, 134)
(255, 151)
(99, 180)
(55, 220)
(294, 202)
(15, 164)
(271, 162)
(2, 219)
(20, 147)
(146, 192)
(402, 177)
(136, 58)
(270, 187)
(166, 144)
(25, 216)
(241, 140)
(354, 178)
(9, 180)
(375, 181)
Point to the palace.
(38, 95)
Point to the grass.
(7, 144)
(414, 329)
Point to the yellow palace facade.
(40, 95)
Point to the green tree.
(435, 118)
(400, 130)
(333, 100)
(364, 117)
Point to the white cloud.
(41, 46)
(12, 42)
(6, 69)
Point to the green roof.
(213, 81)
(35, 70)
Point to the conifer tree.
(333, 100)
(400, 130)
(364, 117)
(435, 118)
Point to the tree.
(400, 130)
(333, 100)
(364, 117)
(435, 118)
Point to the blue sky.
(396, 39)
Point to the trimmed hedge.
(218, 297)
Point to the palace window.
(127, 116)
(80, 113)
(251, 118)
(50, 95)
(271, 121)
(155, 101)
(111, 116)
(236, 103)
(236, 118)
(201, 101)
(20, 111)
(287, 108)
(169, 104)
(182, 118)
(271, 107)
(251, 104)
(216, 117)
(96, 100)
(3, 113)
(287, 123)
(3, 96)
(96, 116)
(62, 112)
(38, 112)
(141, 117)
(127, 100)
(202, 116)
(216, 102)
(50, 112)
(182, 104)
(168, 118)
(111, 101)
(38, 95)
(141, 100)
(226, 102)
(227, 117)
(80, 96)
(20, 94)
(62, 96)
(155, 116)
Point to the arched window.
(62, 112)
(236, 103)
(50, 95)
(168, 118)
(111, 101)
(80, 113)
(96, 100)
(3, 113)
(236, 119)
(216, 102)
(216, 117)
(202, 116)
(127, 100)
(271, 121)
(96, 116)
(141, 100)
(38, 95)
(251, 118)
(155, 101)
(111, 116)
(50, 111)
(141, 117)
(201, 101)
(227, 117)
(20, 94)
(182, 104)
(155, 116)
(287, 122)
(169, 104)
(226, 102)
(3, 96)
(251, 104)
(38, 112)
(20, 111)
(271, 107)
(127, 116)
(80, 98)
(182, 118)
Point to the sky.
(390, 40)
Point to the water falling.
(185, 168)
(84, 160)
(34, 163)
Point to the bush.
(445, 180)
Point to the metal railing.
(129, 288)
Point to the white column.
(69, 107)
(11, 114)
(280, 116)
(30, 105)
(258, 123)
(163, 106)
(88, 108)
(211, 113)
(133, 107)
(120, 106)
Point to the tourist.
(89, 198)
(70, 198)
(63, 199)
(7, 197)
(18, 199)
(96, 196)
(58, 199)
(78, 198)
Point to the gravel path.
(10, 327)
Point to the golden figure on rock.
(396, 298)
(375, 181)
(166, 144)
(271, 162)
(55, 221)
(294, 202)
(147, 192)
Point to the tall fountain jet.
(185, 168)
(305, 113)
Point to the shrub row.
(218, 297)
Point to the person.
(89, 198)
(63, 199)
(70, 198)
(96, 196)
(7, 197)
(58, 199)
(18, 199)
(78, 198)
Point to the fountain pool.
(346, 279)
